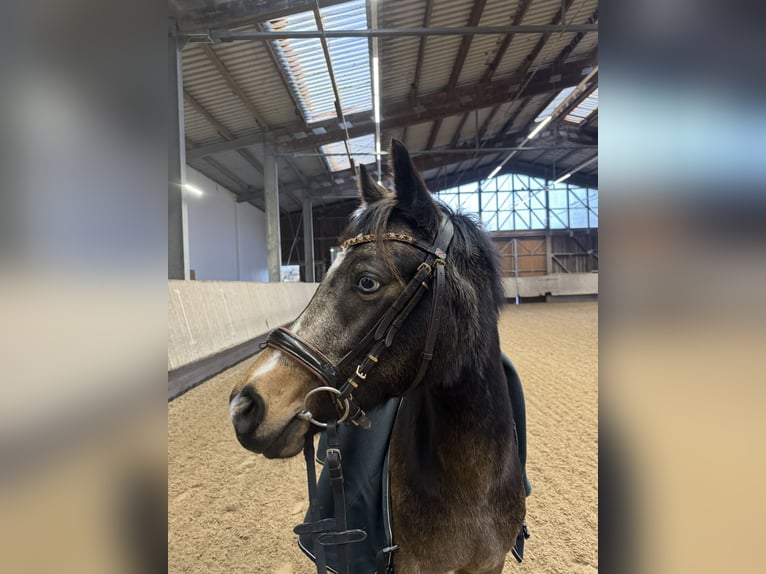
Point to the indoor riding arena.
(295, 116)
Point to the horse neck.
(466, 426)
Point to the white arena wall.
(555, 285)
(227, 240)
(214, 324)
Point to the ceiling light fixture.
(532, 134)
(539, 127)
(574, 170)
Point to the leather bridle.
(334, 531)
(381, 335)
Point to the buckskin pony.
(408, 309)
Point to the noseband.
(381, 335)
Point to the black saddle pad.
(365, 472)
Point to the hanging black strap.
(316, 525)
(328, 531)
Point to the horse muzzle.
(248, 411)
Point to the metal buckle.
(306, 415)
(425, 265)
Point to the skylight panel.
(554, 103)
(362, 150)
(304, 64)
(584, 109)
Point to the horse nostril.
(246, 410)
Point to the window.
(518, 202)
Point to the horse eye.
(367, 284)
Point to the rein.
(381, 336)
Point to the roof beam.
(548, 29)
(434, 106)
(331, 72)
(520, 167)
(401, 114)
(201, 110)
(532, 56)
(236, 12)
(438, 182)
(578, 95)
(465, 45)
(425, 161)
(224, 71)
(415, 86)
(293, 192)
(557, 19)
(281, 72)
(521, 11)
(577, 39)
(233, 86)
(223, 130)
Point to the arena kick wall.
(214, 324)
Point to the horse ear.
(411, 190)
(370, 190)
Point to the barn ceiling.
(464, 83)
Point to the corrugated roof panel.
(417, 136)
(539, 13)
(242, 168)
(362, 150)
(197, 128)
(255, 73)
(304, 62)
(480, 56)
(484, 47)
(441, 51)
(398, 61)
(468, 132)
(438, 60)
(503, 114)
(584, 108)
(530, 112)
(450, 13)
(553, 47)
(447, 130)
(311, 167)
(585, 47)
(560, 97)
(204, 82)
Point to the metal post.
(548, 253)
(308, 238)
(271, 192)
(178, 237)
(516, 266)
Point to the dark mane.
(474, 288)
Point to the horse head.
(365, 282)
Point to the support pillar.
(548, 253)
(271, 190)
(308, 238)
(178, 237)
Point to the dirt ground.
(231, 511)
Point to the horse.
(456, 480)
